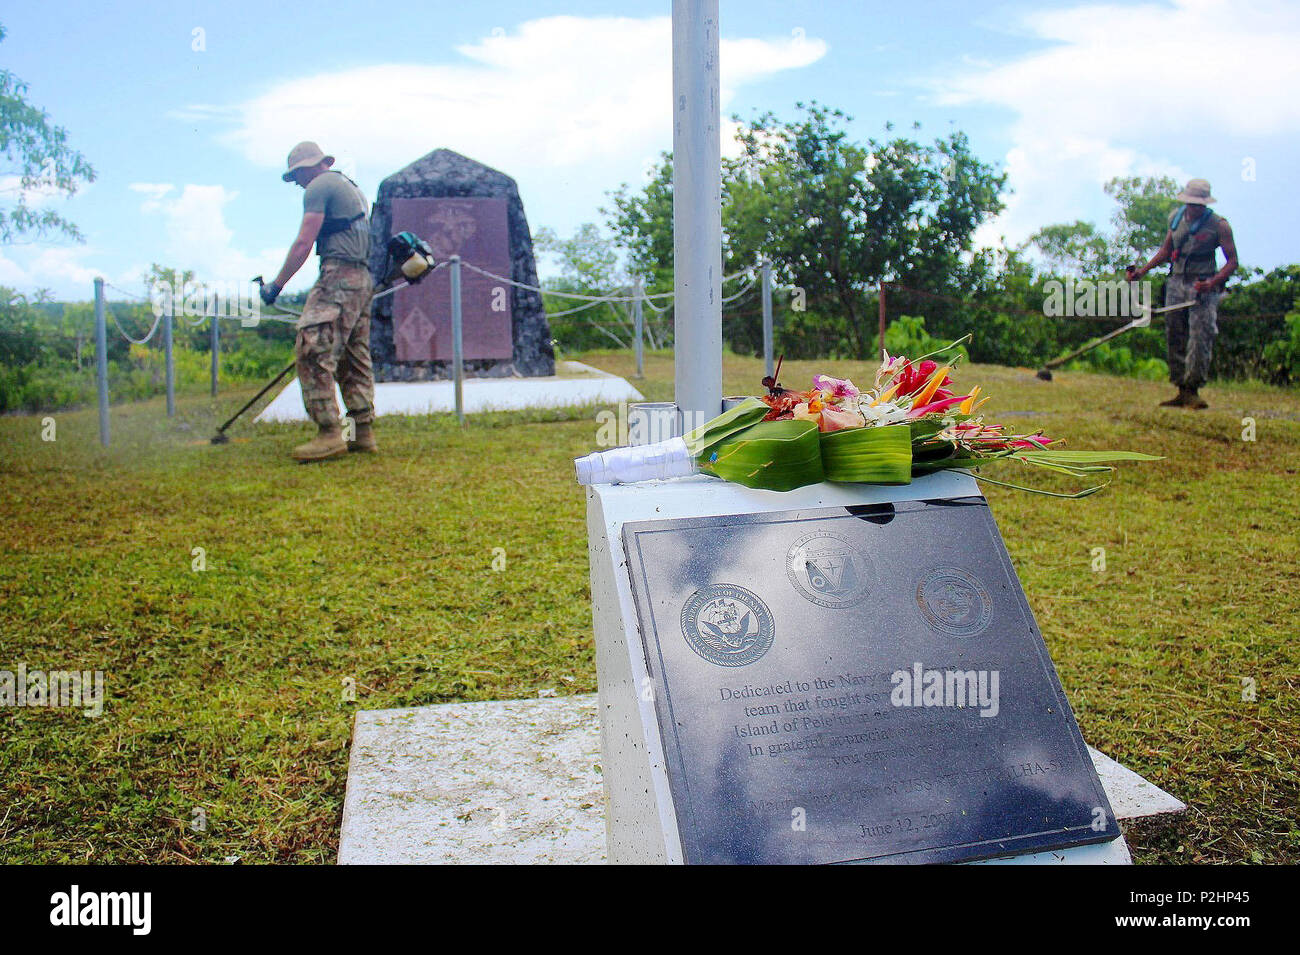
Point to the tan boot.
(364, 440)
(1194, 400)
(327, 444)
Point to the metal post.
(767, 318)
(168, 363)
(882, 321)
(216, 351)
(101, 361)
(639, 322)
(697, 212)
(457, 349)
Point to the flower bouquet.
(909, 422)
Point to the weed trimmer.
(409, 260)
(1142, 321)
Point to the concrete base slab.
(518, 781)
(575, 385)
(502, 782)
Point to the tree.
(1140, 221)
(1142, 218)
(591, 264)
(1075, 247)
(642, 223)
(836, 218)
(37, 159)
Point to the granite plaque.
(476, 230)
(856, 684)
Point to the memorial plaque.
(856, 684)
(476, 230)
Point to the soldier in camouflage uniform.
(334, 332)
(1195, 233)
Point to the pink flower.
(837, 419)
(835, 387)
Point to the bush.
(1282, 358)
(907, 336)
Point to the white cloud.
(153, 190)
(1123, 89)
(564, 93)
(61, 268)
(196, 234)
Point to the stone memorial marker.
(474, 229)
(460, 207)
(838, 673)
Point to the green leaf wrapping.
(868, 455)
(772, 455)
(703, 440)
(1062, 456)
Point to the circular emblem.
(727, 625)
(954, 601)
(828, 570)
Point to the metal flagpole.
(216, 351)
(457, 348)
(697, 212)
(767, 318)
(638, 320)
(101, 361)
(169, 362)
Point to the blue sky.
(573, 99)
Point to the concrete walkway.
(518, 781)
(575, 385)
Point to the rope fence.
(636, 299)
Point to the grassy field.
(226, 687)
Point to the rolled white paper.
(646, 462)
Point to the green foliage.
(590, 265)
(907, 336)
(1121, 360)
(37, 152)
(1141, 219)
(1254, 326)
(642, 224)
(834, 216)
(1140, 222)
(47, 354)
(1075, 247)
(1283, 357)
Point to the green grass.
(225, 687)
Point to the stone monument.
(460, 207)
(837, 673)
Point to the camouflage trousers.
(334, 344)
(1190, 332)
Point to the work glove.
(270, 292)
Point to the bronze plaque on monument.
(477, 231)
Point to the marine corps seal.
(727, 625)
(954, 601)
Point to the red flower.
(912, 378)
